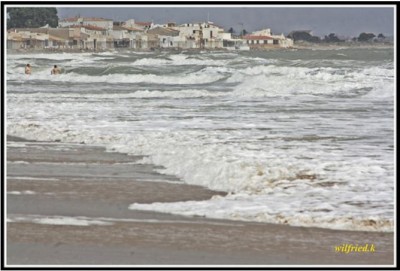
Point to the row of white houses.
(102, 34)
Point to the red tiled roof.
(118, 27)
(51, 37)
(75, 19)
(132, 28)
(123, 27)
(95, 19)
(88, 26)
(252, 37)
(213, 24)
(93, 27)
(143, 23)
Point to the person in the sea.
(55, 70)
(28, 69)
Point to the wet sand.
(84, 193)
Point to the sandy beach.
(67, 204)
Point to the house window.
(276, 41)
(194, 31)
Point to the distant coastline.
(296, 46)
(344, 45)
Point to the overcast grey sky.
(349, 21)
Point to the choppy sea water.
(302, 137)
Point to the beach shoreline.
(67, 204)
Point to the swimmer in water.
(55, 70)
(28, 69)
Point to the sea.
(296, 137)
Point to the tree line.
(31, 17)
(332, 37)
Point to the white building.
(124, 37)
(167, 36)
(96, 37)
(233, 43)
(131, 23)
(201, 35)
(264, 39)
(264, 32)
(99, 22)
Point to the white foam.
(196, 78)
(264, 81)
(70, 221)
(186, 93)
(106, 221)
(177, 60)
(251, 208)
(59, 56)
(19, 162)
(295, 142)
(14, 144)
(190, 93)
(31, 178)
(26, 192)
(59, 220)
(217, 167)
